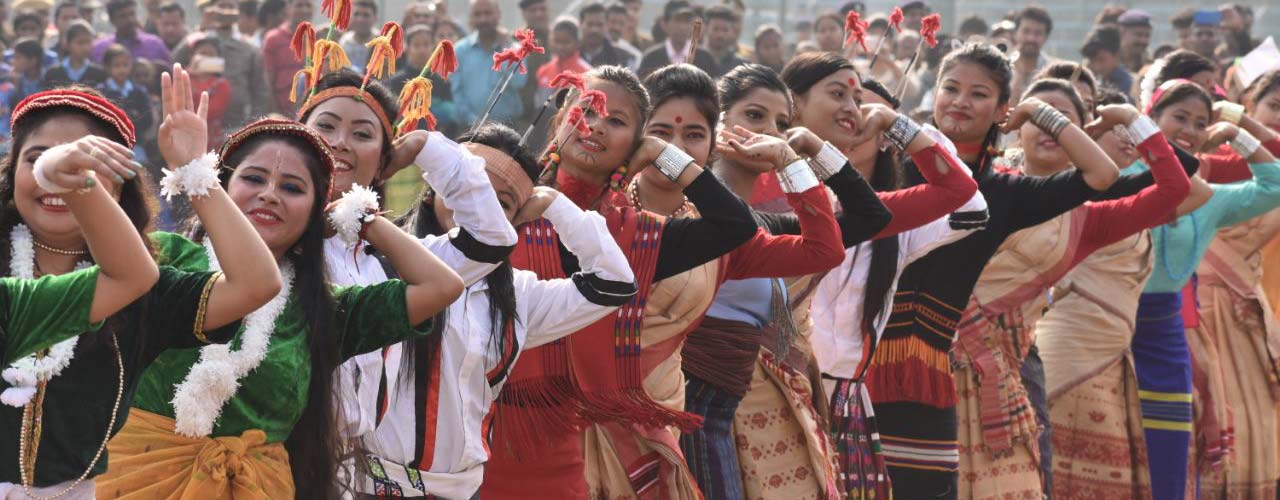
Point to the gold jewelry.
(633, 195)
(32, 426)
(58, 251)
(198, 328)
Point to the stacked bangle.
(901, 132)
(672, 161)
(1229, 111)
(1050, 120)
(1245, 144)
(797, 177)
(827, 162)
(1142, 129)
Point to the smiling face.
(865, 154)
(1184, 122)
(354, 132)
(46, 214)
(967, 103)
(762, 111)
(612, 138)
(1267, 109)
(274, 189)
(678, 122)
(830, 108)
(1041, 150)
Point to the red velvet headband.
(276, 126)
(1164, 87)
(92, 104)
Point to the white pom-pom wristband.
(357, 207)
(43, 167)
(193, 179)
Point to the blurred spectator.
(121, 90)
(270, 14)
(419, 42)
(447, 29)
(247, 22)
(278, 56)
(66, 12)
(27, 25)
(806, 46)
(27, 68)
(855, 5)
(972, 26)
(1135, 36)
(722, 39)
(1181, 22)
(597, 50)
(534, 13)
(905, 45)
(364, 13)
(1101, 53)
(1237, 28)
(631, 33)
(828, 32)
(418, 13)
(678, 21)
(476, 79)
(564, 47)
(769, 50)
(1032, 27)
(75, 66)
(1162, 50)
(123, 15)
(1002, 35)
(1109, 15)
(912, 13)
(803, 31)
(242, 64)
(617, 19)
(206, 68)
(171, 25)
(6, 30)
(1205, 25)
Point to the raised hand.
(876, 118)
(534, 207)
(1109, 117)
(73, 165)
(1021, 113)
(645, 155)
(184, 133)
(804, 141)
(758, 151)
(1219, 133)
(403, 151)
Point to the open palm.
(184, 134)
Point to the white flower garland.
(198, 399)
(351, 212)
(24, 374)
(1147, 87)
(193, 179)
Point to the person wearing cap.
(123, 15)
(243, 64)
(1205, 25)
(678, 17)
(912, 13)
(1101, 53)
(1135, 36)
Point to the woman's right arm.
(250, 276)
(127, 269)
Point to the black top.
(137, 105)
(57, 77)
(726, 64)
(689, 242)
(609, 55)
(78, 401)
(863, 215)
(656, 58)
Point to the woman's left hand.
(761, 151)
(1219, 133)
(184, 135)
(403, 152)
(1109, 116)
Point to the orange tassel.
(382, 57)
(303, 39)
(332, 52)
(443, 61)
(393, 31)
(338, 11)
(415, 104)
(305, 75)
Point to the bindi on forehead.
(679, 119)
(853, 82)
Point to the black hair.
(30, 48)
(806, 70)
(1183, 18)
(974, 25)
(884, 93)
(115, 6)
(267, 10)
(997, 67)
(629, 82)
(248, 8)
(381, 96)
(24, 17)
(566, 25)
(591, 8)
(1107, 96)
(74, 29)
(113, 52)
(830, 16)
(685, 80)
(1183, 63)
(1110, 14)
(313, 445)
(1101, 39)
(673, 7)
(1059, 85)
(136, 199)
(171, 7)
(1063, 70)
(616, 8)
(721, 12)
(368, 4)
(422, 221)
(739, 82)
(1179, 92)
(1034, 13)
(418, 29)
(1267, 83)
(63, 6)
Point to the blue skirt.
(1163, 362)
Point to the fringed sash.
(594, 375)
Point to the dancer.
(590, 161)
(459, 373)
(280, 426)
(71, 401)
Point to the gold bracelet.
(198, 329)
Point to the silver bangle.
(1050, 120)
(827, 162)
(1245, 144)
(672, 161)
(1142, 129)
(901, 132)
(797, 177)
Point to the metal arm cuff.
(1142, 129)
(797, 177)
(901, 132)
(827, 162)
(672, 161)
(1245, 144)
